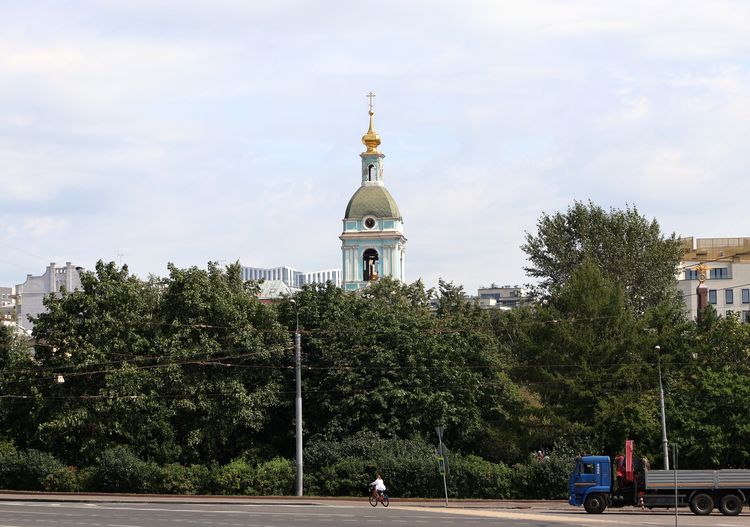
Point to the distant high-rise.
(292, 277)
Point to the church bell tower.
(372, 243)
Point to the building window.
(729, 296)
(746, 316)
(691, 274)
(712, 296)
(719, 272)
(746, 296)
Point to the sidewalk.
(277, 500)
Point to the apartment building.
(727, 275)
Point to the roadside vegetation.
(185, 383)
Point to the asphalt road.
(110, 514)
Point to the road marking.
(571, 518)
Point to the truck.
(598, 483)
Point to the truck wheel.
(702, 504)
(595, 504)
(730, 505)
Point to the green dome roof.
(372, 200)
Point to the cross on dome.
(371, 139)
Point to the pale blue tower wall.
(390, 259)
(376, 160)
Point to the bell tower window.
(369, 172)
(370, 265)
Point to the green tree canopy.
(586, 357)
(381, 361)
(186, 368)
(628, 247)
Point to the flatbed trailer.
(701, 490)
(592, 485)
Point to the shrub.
(474, 477)
(347, 477)
(344, 468)
(67, 479)
(236, 477)
(177, 479)
(274, 478)
(544, 479)
(9, 465)
(119, 470)
(35, 467)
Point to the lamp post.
(298, 400)
(664, 444)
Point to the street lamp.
(298, 399)
(664, 444)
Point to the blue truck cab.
(591, 480)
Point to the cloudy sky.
(184, 131)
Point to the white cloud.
(192, 131)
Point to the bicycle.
(380, 497)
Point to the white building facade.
(30, 294)
(291, 276)
(727, 276)
(7, 305)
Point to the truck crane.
(597, 483)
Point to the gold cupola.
(371, 139)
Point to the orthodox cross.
(370, 96)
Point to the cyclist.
(378, 485)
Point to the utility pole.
(664, 443)
(442, 459)
(298, 401)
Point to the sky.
(148, 132)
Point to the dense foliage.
(627, 247)
(185, 384)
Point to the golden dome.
(371, 139)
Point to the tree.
(582, 352)
(708, 386)
(381, 361)
(16, 360)
(182, 369)
(630, 249)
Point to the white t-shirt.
(379, 485)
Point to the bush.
(9, 466)
(35, 467)
(344, 468)
(34, 470)
(67, 479)
(236, 477)
(347, 477)
(240, 477)
(275, 478)
(177, 479)
(544, 479)
(119, 470)
(474, 477)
